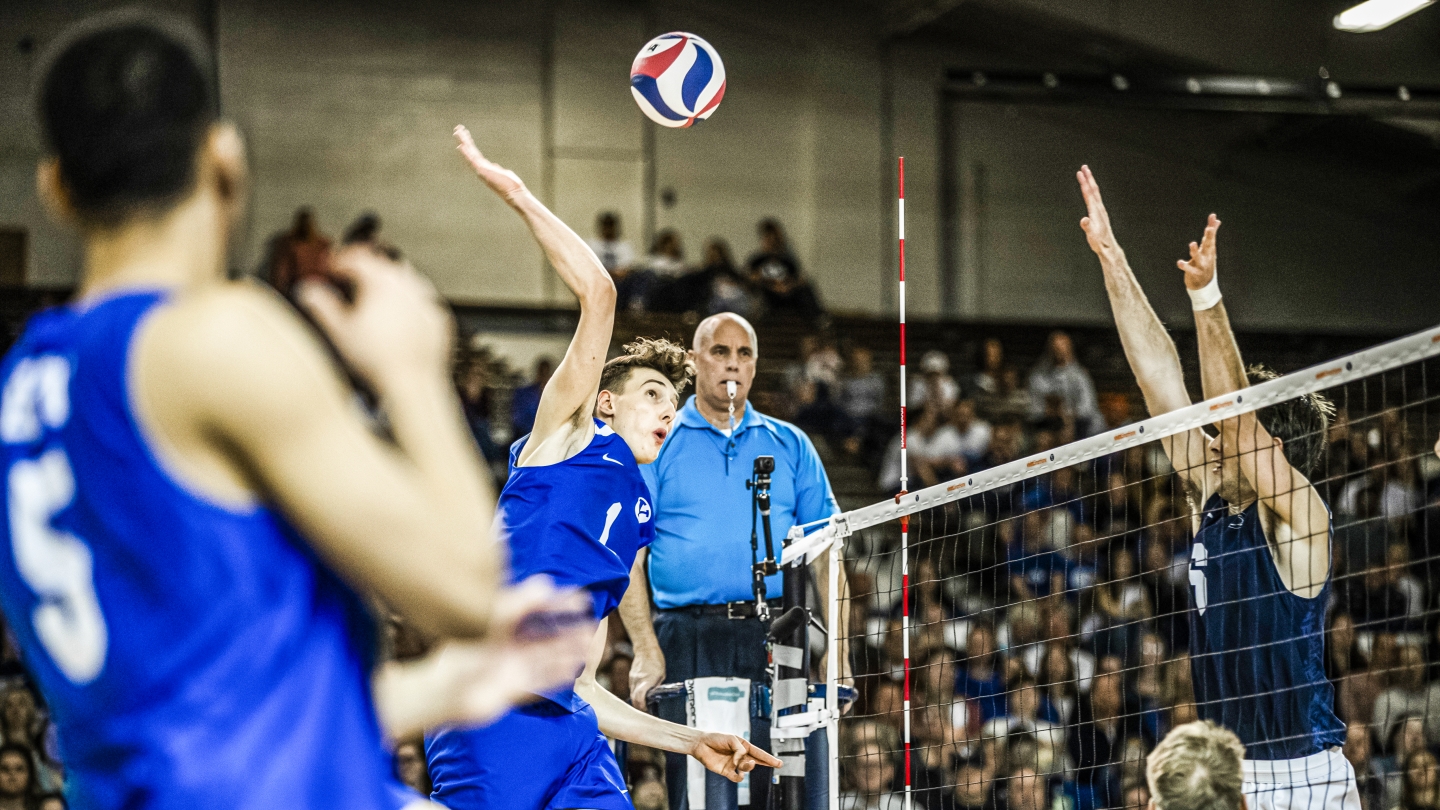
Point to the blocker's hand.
(1096, 223)
(503, 181)
(1201, 267)
(730, 756)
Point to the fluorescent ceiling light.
(1373, 15)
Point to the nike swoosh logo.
(607, 457)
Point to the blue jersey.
(1257, 649)
(192, 655)
(580, 521)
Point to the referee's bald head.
(706, 330)
(1196, 767)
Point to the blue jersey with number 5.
(192, 655)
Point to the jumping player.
(195, 510)
(576, 508)
(1260, 564)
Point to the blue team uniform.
(192, 655)
(581, 521)
(1257, 648)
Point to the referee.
(699, 565)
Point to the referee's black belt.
(730, 610)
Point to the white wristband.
(1207, 296)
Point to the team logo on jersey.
(642, 510)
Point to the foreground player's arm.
(1147, 345)
(230, 379)
(473, 682)
(569, 398)
(1221, 369)
(726, 754)
(647, 669)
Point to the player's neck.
(720, 416)
(182, 248)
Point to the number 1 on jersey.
(610, 515)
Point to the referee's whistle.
(730, 388)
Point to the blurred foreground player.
(1260, 564)
(196, 510)
(576, 508)
(1196, 767)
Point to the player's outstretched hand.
(503, 181)
(480, 680)
(730, 756)
(1096, 222)
(1200, 269)
(395, 325)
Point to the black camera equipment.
(759, 487)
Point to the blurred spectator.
(1035, 570)
(934, 384)
(728, 290)
(1028, 711)
(1367, 779)
(934, 740)
(1122, 597)
(933, 451)
(1406, 737)
(1375, 602)
(871, 775)
(1135, 796)
(664, 264)
(1409, 696)
(365, 230)
(1169, 598)
(975, 781)
(1058, 372)
(50, 801)
(862, 396)
(1100, 738)
(1059, 680)
(17, 778)
(1357, 685)
(525, 401)
(1027, 790)
(776, 273)
(26, 727)
(992, 366)
(1007, 443)
(980, 681)
(1420, 790)
(303, 253)
(615, 254)
(410, 767)
(1009, 401)
(1396, 483)
(974, 432)
(477, 401)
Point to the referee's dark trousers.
(700, 642)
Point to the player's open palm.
(1200, 268)
(1096, 222)
(730, 756)
(503, 181)
(394, 328)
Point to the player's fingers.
(760, 754)
(324, 305)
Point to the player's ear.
(53, 194)
(605, 404)
(224, 161)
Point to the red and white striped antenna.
(904, 487)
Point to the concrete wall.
(348, 106)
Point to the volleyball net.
(1027, 642)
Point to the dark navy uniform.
(580, 521)
(1258, 665)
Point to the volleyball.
(677, 79)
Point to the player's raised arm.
(569, 397)
(1221, 369)
(1148, 347)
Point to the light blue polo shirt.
(701, 552)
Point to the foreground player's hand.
(1200, 269)
(395, 326)
(503, 181)
(730, 756)
(480, 680)
(1096, 222)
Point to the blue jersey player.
(1260, 564)
(575, 508)
(196, 514)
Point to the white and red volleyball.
(677, 79)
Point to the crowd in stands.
(1049, 641)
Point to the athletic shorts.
(1323, 781)
(536, 757)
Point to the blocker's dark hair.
(125, 103)
(1301, 424)
(665, 357)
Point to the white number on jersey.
(1197, 576)
(610, 515)
(56, 565)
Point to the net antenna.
(904, 484)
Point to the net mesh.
(1051, 642)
